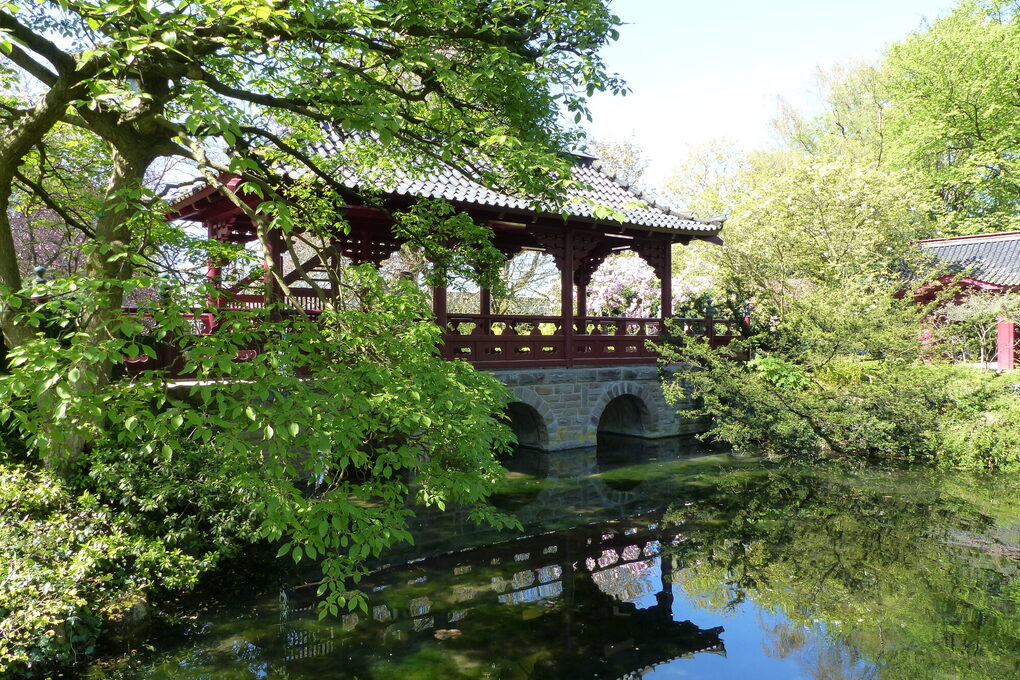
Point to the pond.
(659, 560)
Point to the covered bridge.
(566, 367)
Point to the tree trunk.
(108, 262)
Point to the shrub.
(987, 435)
(854, 407)
(66, 566)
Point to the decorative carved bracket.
(553, 240)
(588, 264)
(656, 252)
(362, 247)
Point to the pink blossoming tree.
(625, 285)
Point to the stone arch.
(624, 407)
(531, 418)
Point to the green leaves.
(300, 431)
(311, 442)
(67, 562)
(780, 372)
(952, 113)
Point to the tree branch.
(21, 58)
(201, 75)
(45, 197)
(62, 61)
(345, 192)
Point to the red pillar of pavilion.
(485, 309)
(666, 281)
(567, 296)
(439, 305)
(1007, 344)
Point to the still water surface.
(661, 560)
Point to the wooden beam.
(666, 281)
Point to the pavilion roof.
(597, 188)
(991, 258)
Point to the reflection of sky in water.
(751, 648)
(752, 635)
(636, 582)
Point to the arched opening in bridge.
(626, 414)
(623, 419)
(528, 424)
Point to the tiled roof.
(599, 188)
(992, 258)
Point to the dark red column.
(666, 281)
(485, 309)
(1007, 344)
(439, 305)
(567, 296)
(214, 271)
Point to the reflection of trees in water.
(868, 558)
(819, 656)
(904, 563)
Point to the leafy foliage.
(820, 248)
(624, 159)
(624, 285)
(953, 112)
(323, 434)
(940, 105)
(67, 563)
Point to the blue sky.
(703, 70)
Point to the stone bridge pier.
(565, 408)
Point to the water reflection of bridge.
(596, 600)
(559, 490)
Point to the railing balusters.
(505, 340)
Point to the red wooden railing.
(505, 340)
(502, 340)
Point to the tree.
(487, 79)
(818, 247)
(531, 285)
(820, 240)
(940, 104)
(286, 96)
(953, 112)
(854, 118)
(708, 181)
(624, 285)
(625, 159)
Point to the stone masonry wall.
(569, 402)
